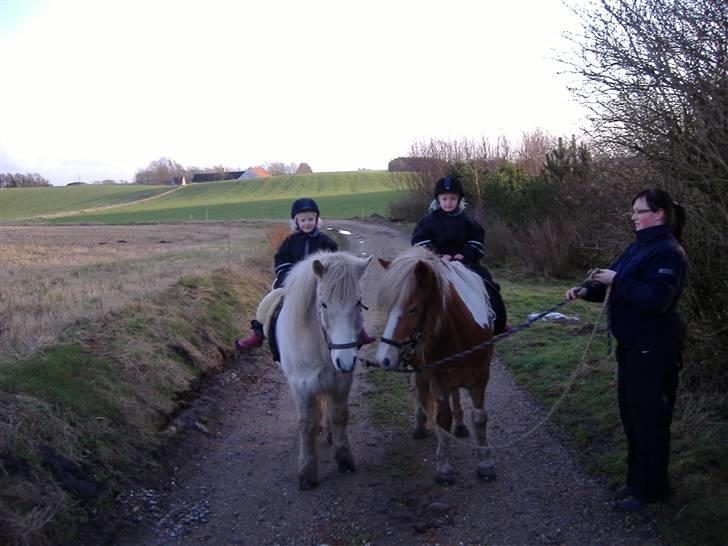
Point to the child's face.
(306, 221)
(448, 201)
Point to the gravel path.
(232, 476)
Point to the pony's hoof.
(306, 484)
(486, 472)
(419, 434)
(345, 462)
(346, 466)
(445, 478)
(461, 431)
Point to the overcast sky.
(98, 89)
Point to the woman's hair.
(658, 199)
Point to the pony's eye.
(324, 305)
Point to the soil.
(229, 476)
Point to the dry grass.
(52, 276)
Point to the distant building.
(255, 172)
(216, 177)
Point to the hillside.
(22, 203)
(341, 194)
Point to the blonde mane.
(341, 283)
(399, 282)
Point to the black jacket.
(451, 233)
(298, 246)
(650, 278)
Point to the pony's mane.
(340, 282)
(399, 280)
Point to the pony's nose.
(385, 363)
(344, 370)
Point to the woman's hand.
(604, 276)
(576, 292)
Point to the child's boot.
(255, 339)
(364, 338)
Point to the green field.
(340, 195)
(21, 203)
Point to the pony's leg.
(339, 412)
(324, 418)
(308, 428)
(486, 466)
(444, 473)
(422, 402)
(461, 429)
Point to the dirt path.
(233, 478)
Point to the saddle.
(267, 314)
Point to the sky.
(98, 89)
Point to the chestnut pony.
(317, 333)
(437, 309)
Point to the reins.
(555, 406)
(411, 342)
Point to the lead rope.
(572, 378)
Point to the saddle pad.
(472, 291)
(267, 307)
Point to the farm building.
(255, 172)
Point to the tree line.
(18, 180)
(165, 171)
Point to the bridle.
(349, 345)
(407, 347)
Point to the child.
(305, 240)
(453, 234)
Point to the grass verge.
(80, 415)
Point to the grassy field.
(21, 203)
(340, 195)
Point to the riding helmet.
(302, 205)
(449, 184)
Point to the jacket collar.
(653, 233)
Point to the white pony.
(317, 333)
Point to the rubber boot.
(364, 338)
(255, 339)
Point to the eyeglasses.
(641, 211)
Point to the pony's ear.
(385, 263)
(319, 268)
(423, 274)
(362, 265)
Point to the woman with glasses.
(645, 285)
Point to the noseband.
(349, 345)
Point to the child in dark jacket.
(455, 235)
(304, 241)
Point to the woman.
(646, 283)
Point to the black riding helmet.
(302, 205)
(449, 184)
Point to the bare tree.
(531, 154)
(304, 168)
(654, 75)
(278, 168)
(161, 171)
